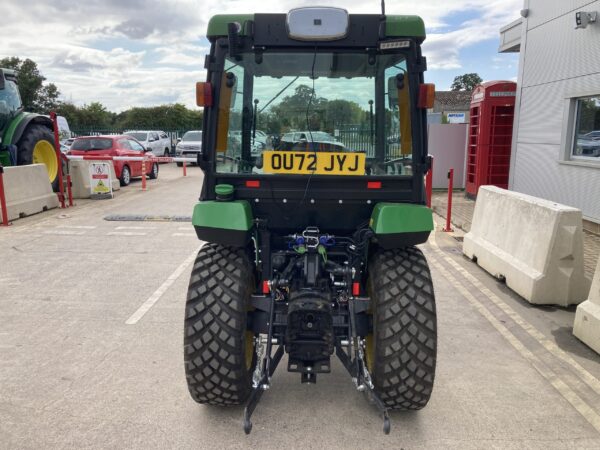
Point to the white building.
(556, 141)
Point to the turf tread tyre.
(215, 326)
(405, 328)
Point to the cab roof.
(9, 73)
(396, 25)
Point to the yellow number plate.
(319, 163)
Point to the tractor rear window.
(315, 113)
(92, 144)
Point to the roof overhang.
(510, 37)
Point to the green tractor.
(311, 236)
(25, 138)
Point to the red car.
(116, 146)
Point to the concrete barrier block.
(28, 191)
(587, 318)
(80, 177)
(534, 244)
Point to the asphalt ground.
(91, 354)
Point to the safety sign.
(100, 180)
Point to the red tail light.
(266, 289)
(374, 185)
(253, 183)
(356, 288)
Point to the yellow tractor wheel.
(36, 147)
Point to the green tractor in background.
(25, 138)
(311, 239)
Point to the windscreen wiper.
(279, 93)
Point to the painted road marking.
(184, 228)
(64, 232)
(126, 233)
(78, 227)
(184, 234)
(151, 301)
(563, 389)
(136, 228)
(549, 345)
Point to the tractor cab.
(342, 100)
(10, 100)
(313, 202)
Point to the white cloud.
(141, 52)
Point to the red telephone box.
(490, 135)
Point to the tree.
(36, 96)
(342, 112)
(294, 111)
(47, 100)
(168, 117)
(466, 82)
(588, 115)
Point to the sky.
(125, 53)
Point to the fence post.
(61, 186)
(184, 170)
(448, 228)
(69, 190)
(3, 207)
(144, 174)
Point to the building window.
(587, 129)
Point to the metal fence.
(357, 139)
(173, 134)
(360, 139)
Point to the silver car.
(158, 142)
(190, 145)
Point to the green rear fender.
(400, 224)
(225, 223)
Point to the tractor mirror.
(426, 96)
(231, 83)
(400, 81)
(204, 94)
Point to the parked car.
(301, 140)
(67, 142)
(258, 144)
(595, 135)
(190, 145)
(158, 141)
(123, 145)
(588, 146)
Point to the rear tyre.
(37, 146)
(218, 350)
(166, 153)
(125, 176)
(153, 175)
(401, 353)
